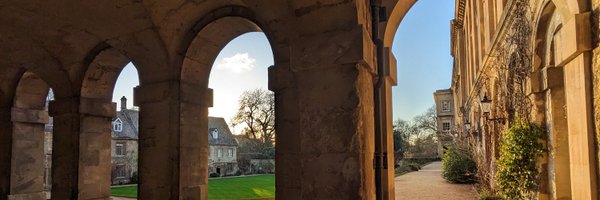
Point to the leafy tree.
(402, 133)
(257, 112)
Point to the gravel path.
(428, 183)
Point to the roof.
(225, 137)
(130, 119)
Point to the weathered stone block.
(574, 37)
(553, 77)
(390, 66)
(28, 196)
(29, 116)
(332, 49)
(155, 92)
(98, 107)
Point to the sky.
(421, 46)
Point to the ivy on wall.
(517, 173)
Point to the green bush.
(134, 177)
(214, 174)
(458, 166)
(517, 173)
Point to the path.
(428, 183)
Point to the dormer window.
(215, 134)
(118, 125)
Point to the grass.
(248, 187)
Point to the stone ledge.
(576, 38)
(29, 115)
(28, 196)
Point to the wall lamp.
(486, 106)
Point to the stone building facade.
(222, 151)
(124, 143)
(444, 103)
(332, 77)
(535, 59)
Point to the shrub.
(134, 177)
(214, 174)
(517, 173)
(458, 166)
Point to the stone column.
(81, 148)
(558, 132)
(387, 118)
(173, 145)
(95, 148)
(573, 52)
(5, 149)
(27, 161)
(324, 117)
(193, 177)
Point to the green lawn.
(249, 187)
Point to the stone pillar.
(387, 118)
(173, 141)
(193, 177)
(324, 117)
(27, 161)
(573, 52)
(95, 148)
(581, 137)
(559, 176)
(81, 148)
(5, 149)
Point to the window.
(230, 152)
(120, 171)
(446, 126)
(219, 153)
(215, 134)
(120, 149)
(118, 125)
(445, 106)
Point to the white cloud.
(238, 63)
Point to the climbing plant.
(514, 67)
(522, 144)
(517, 173)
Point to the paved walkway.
(428, 183)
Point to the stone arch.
(29, 117)
(96, 113)
(398, 10)
(102, 73)
(547, 85)
(31, 56)
(202, 45)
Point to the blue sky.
(421, 46)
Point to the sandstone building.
(124, 145)
(222, 148)
(536, 59)
(444, 118)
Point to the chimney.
(123, 103)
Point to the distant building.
(124, 143)
(222, 147)
(445, 118)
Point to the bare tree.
(257, 111)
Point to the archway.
(201, 52)
(29, 117)
(110, 147)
